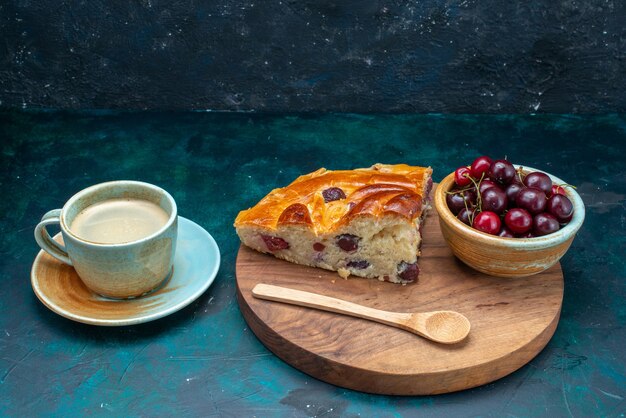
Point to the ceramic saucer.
(196, 263)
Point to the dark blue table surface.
(204, 360)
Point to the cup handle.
(46, 242)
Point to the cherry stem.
(470, 214)
(458, 191)
(479, 199)
(520, 171)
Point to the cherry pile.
(494, 197)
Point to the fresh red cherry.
(493, 196)
(485, 184)
(455, 202)
(487, 222)
(458, 199)
(465, 215)
(479, 166)
(505, 233)
(470, 196)
(511, 192)
(566, 220)
(518, 220)
(544, 224)
(462, 176)
(502, 171)
(531, 199)
(494, 200)
(540, 181)
(561, 207)
(556, 189)
(519, 177)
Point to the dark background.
(315, 55)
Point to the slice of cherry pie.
(364, 222)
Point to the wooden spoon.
(446, 327)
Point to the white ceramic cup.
(124, 270)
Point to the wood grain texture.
(447, 327)
(512, 320)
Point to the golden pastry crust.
(375, 192)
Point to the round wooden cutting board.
(511, 319)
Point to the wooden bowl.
(506, 257)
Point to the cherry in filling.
(358, 264)
(333, 193)
(408, 272)
(274, 243)
(348, 242)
